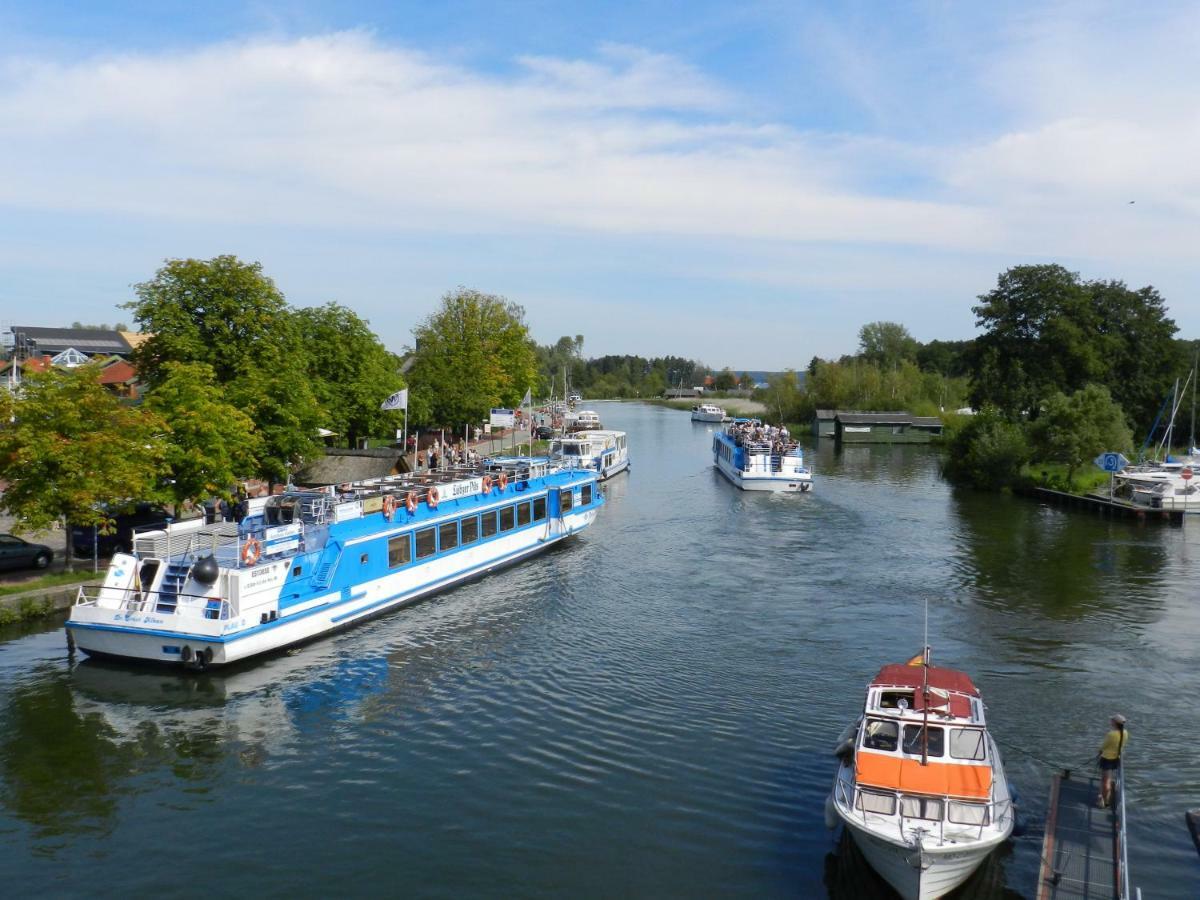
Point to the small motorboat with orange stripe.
(920, 785)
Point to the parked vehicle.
(544, 432)
(16, 553)
(121, 540)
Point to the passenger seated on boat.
(881, 735)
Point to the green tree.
(784, 400)
(1137, 343)
(210, 443)
(471, 355)
(886, 344)
(988, 451)
(725, 380)
(1040, 336)
(1075, 429)
(72, 452)
(351, 372)
(228, 315)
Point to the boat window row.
(468, 530)
(884, 734)
(957, 812)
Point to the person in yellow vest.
(1110, 757)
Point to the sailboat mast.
(1195, 378)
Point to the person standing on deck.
(1110, 757)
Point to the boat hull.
(615, 469)
(794, 483)
(101, 632)
(919, 874)
(708, 417)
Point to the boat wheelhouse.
(707, 412)
(305, 563)
(920, 785)
(758, 458)
(607, 452)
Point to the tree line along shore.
(237, 384)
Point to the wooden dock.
(1101, 505)
(1083, 852)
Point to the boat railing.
(997, 810)
(1122, 840)
(134, 600)
(162, 544)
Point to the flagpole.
(404, 445)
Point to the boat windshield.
(912, 740)
(880, 734)
(568, 448)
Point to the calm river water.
(649, 711)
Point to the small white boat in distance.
(607, 452)
(758, 458)
(920, 786)
(584, 420)
(707, 412)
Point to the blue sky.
(745, 183)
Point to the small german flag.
(918, 660)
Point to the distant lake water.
(648, 711)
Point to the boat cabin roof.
(901, 675)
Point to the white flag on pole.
(527, 400)
(398, 400)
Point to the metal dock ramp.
(1083, 854)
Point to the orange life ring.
(251, 551)
(389, 505)
(432, 498)
(410, 502)
(487, 484)
(502, 480)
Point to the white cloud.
(340, 128)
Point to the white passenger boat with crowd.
(305, 563)
(920, 785)
(607, 452)
(756, 457)
(707, 412)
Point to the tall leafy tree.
(227, 314)
(887, 344)
(1040, 336)
(1137, 341)
(725, 380)
(73, 453)
(1075, 429)
(471, 355)
(210, 443)
(351, 372)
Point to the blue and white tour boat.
(605, 451)
(308, 562)
(756, 457)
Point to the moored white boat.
(311, 562)
(920, 785)
(707, 412)
(583, 420)
(606, 452)
(758, 458)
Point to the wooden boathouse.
(885, 428)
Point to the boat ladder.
(172, 583)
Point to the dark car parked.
(18, 554)
(545, 432)
(143, 516)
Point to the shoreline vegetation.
(239, 385)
